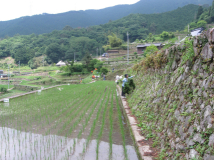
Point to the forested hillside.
(205, 15)
(46, 23)
(62, 44)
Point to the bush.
(129, 86)
(124, 47)
(201, 23)
(3, 89)
(104, 70)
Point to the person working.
(123, 84)
(93, 77)
(117, 79)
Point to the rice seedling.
(122, 130)
(111, 128)
(60, 124)
(103, 122)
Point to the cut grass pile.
(68, 122)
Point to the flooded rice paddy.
(77, 122)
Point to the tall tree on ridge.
(200, 11)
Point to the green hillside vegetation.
(47, 23)
(62, 44)
(204, 16)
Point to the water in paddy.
(82, 129)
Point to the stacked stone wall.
(174, 105)
(25, 88)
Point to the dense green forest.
(205, 15)
(46, 23)
(63, 44)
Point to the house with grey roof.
(61, 63)
(142, 47)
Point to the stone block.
(211, 140)
(193, 154)
(198, 138)
(207, 53)
(210, 35)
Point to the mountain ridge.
(46, 23)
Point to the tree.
(201, 23)
(104, 70)
(200, 11)
(92, 64)
(80, 46)
(87, 58)
(98, 65)
(153, 27)
(212, 10)
(192, 25)
(150, 36)
(114, 41)
(164, 35)
(54, 52)
(67, 28)
(151, 49)
(23, 54)
(33, 63)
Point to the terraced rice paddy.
(69, 122)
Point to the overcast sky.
(11, 9)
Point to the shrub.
(104, 70)
(151, 49)
(3, 89)
(129, 86)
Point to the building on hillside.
(4, 75)
(61, 63)
(197, 31)
(1, 72)
(142, 48)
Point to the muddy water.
(17, 145)
(39, 127)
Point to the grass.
(29, 77)
(6, 86)
(11, 93)
(54, 123)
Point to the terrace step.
(23, 94)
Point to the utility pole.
(127, 47)
(97, 52)
(19, 67)
(74, 56)
(43, 60)
(100, 53)
(8, 77)
(188, 27)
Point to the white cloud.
(11, 9)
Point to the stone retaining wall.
(11, 82)
(175, 104)
(25, 88)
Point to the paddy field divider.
(142, 149)
(19, 95)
